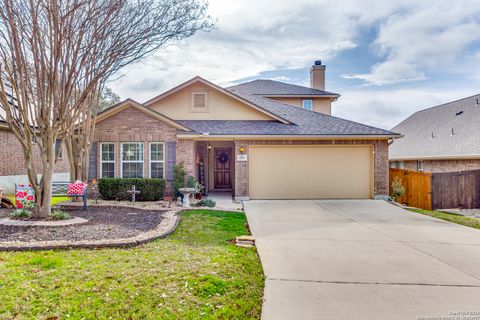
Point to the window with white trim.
(157, 160)
(132, 160)
(307, 104)
(107, 160)
(420, 165)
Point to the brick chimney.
(317, 76)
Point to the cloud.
(428, 36)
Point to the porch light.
(242, 149)
(209, 147)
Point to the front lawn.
(194, 273)
(455, 218)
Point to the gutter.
(206, 136)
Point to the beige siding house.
(262, 139)
(443, 138)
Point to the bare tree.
(56, 55)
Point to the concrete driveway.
(362, 259)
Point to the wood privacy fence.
(439, 190)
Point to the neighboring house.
(440, 139)
(12, 166)
(262, 139)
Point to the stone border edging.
(166, 227)
(45, 223)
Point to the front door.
(222, 170)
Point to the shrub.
(191, 182)
(398, 189)
(179, 175)
(207, 202)
(20, 213)
(59, 215)
(116, 189)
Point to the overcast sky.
(387, 59)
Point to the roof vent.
(453, 132)
(458, 113)
(478, 101)
(433, 135)
(319, 63)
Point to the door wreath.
(223, 158)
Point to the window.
(419, 165)
(132, 160)
(107, 160)
(400, 165)
(157, 156)
(199, 102)
(307, 104)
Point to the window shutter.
(92, 162)
(171, 159)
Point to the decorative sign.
(24, 196)
(201, 175)
(242, 157)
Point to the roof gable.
(258, 108)
(132, 103)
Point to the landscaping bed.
(195, 273)
(467, 221)
(103, 223)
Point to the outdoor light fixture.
(209, 147)
(242, 149)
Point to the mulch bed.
(104, 223)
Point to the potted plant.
(198, 190)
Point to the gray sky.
(386, 58)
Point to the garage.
(311, 172)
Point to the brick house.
(443, 138)
(262, 139)
(12, 166)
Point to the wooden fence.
(418, 188)
(439, 190)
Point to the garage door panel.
(310, 172)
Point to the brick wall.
(444, 165)
(380, 161)
(186, 154)
(132, 125)
(12, 160)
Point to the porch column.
(186, 154)
(241, 172)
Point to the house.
(12, 164)
(262, 139)
(440, 139)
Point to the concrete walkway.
(362, 259)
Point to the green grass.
(455, 218)
(55, 200)
(193, 274)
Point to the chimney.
(317, 76)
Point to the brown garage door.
(311, 172)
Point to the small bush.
(398, 189)
(59, 215)
(116, 189)
(20, 213)
(207, 202)
(179, 175)
(191, 182)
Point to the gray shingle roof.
(304, 122)
(276, 88)
(445, 131)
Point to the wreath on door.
(223, 158)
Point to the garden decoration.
(24, 196)
(186, 196)
(133, 192)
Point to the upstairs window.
(307, 104)
(199, 102)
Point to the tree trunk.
(43, 194)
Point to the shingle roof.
(304, 122)
(445, 131)
(277, 88)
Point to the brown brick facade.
(380, 161)
(442, 165)
(132, 125)
(12, 160)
